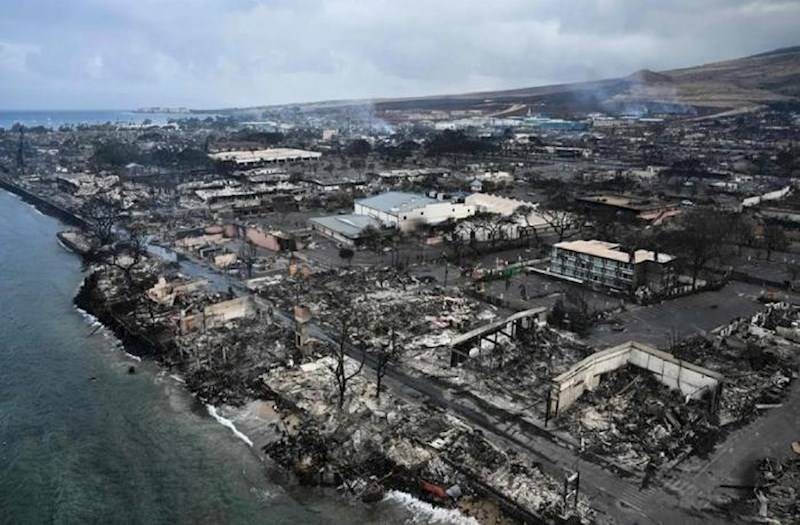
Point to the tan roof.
(609, 250)
(267, 155)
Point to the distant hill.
(742, 84)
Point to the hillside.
(739, 84)
(742, 84)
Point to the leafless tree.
(701, 239)
(774, 239)
(488, 223)
(449, 230)
(346, 253)
(372, 239)
(248, 255)
(102, 215)
(563, 223)
(128, 254)
(338, 351)
(385, 355)
(524, 213)
(743, 231)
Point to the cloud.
(208, 53)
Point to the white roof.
(506, 207)
(264, 155)
(609, 250)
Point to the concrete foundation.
(693, 381)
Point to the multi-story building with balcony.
(604, 264)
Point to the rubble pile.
(396, 445)
(319, 438)
(515, 476)
(224, 365)
(757, 356)
(117, 298)
(776, 497)
(639, 423)
(383, 300)
(514, 375)
(541, 351)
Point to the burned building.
(627, 208)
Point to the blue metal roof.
(394, 202)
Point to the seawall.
(44, 205)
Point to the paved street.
(685, 491)
(685, 316)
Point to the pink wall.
(264, 240)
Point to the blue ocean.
(58, 118)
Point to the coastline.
(247, 422)
(255, 423)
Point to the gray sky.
(219, 53)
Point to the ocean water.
(83, 441)
(57, 118)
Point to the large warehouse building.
(263, 157)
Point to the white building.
(407, 211)
(504, 207)
(261, 157)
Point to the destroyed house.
(627, 207)
(605, 264)
(228, 196)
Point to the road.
(619, 499)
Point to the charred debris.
(468, 307)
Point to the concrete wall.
(771, 196)
(224, 260)
(200, 240)
(385, 218)
(262, 239)
(692, 380)
(331, 234)
(408, 220)
(435, 214)
(218, 314)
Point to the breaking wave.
(60, 243)
(86, 315)
(116, 344)
(212, 411)
(424, 513)
(134, 357)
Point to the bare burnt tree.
(385, 356)
(372, 238)
(338, 351)
(774, 239)
(450, 235)
(482, 227)
(701, 239)
(346, 254)
(128, 254)
(248, 255)
(561, 222)
(102, 215)
(743, 231)
(524, 214)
